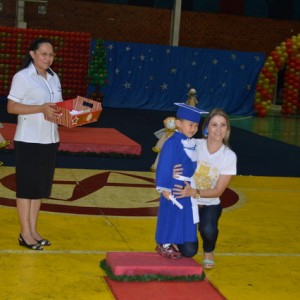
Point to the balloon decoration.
(71, 62)
(98, 73)
(286, 55)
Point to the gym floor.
(257, 255)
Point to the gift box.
(77, 112)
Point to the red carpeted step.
(86, 139)
(166, 290)
(142, 263)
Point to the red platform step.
(166, 290)
(86, 139)
(142, 263)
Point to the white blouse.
(28, 87)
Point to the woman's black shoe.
(44, 242)
(36, 246)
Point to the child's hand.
(166, 194)
(177, 170)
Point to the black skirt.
(35, 166)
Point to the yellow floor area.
(257, 256)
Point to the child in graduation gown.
(176, 227)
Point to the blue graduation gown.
(174, 225)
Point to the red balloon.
(265, 94)
(278, 65)
(262, 112)
(283, 111)
(259, 88)
(264, 70)
(257, 107)
(288, 43)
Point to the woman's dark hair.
(33, 47)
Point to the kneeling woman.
(216, 164)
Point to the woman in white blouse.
(34, 91)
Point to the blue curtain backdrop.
(154, 77)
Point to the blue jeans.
(188, 249)
(208, 226)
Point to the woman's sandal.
(36, 246)
(44, 242)
(208, 264)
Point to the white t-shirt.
(210, 167)
(29, 88)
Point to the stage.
(88, 140)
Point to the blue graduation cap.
(189, 113)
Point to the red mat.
(145, 263)
(87, 139)
(166, 290)
(141, 263)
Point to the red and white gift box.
(77, 112)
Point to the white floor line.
(101, 252)
(260, 254)
(53, 252)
